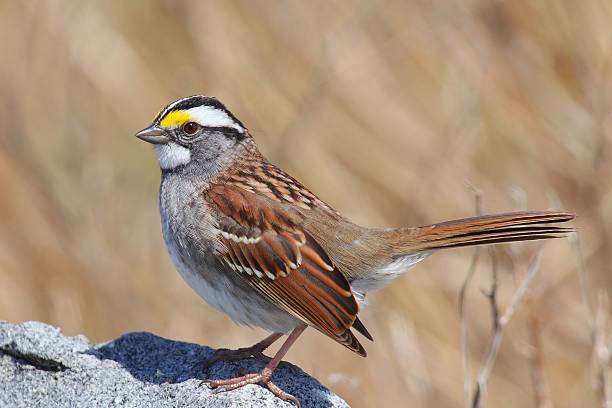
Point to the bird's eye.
(191, 128)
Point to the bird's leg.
(264, 377)
(256, 350)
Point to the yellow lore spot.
(175, 118)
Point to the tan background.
(382, 108)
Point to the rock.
(40, 367)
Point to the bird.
(257, 245)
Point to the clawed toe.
(280, 393)
(263, 378)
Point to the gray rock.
(40, 367)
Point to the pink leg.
(265, 375)
(255, 350)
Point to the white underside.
(241, 308)
(385, 275)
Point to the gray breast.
(189, 233)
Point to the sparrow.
(256, 244)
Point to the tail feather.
(488, 229)
(348, 340)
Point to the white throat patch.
(212, 117)
(172, 155)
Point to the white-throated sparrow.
(257, 245)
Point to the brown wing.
(264, 242)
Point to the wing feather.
(264, 242)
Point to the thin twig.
(519, 295)
(465, 341)
(500, 324)
(492, 293)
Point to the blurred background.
(384, 109)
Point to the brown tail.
(488, 229)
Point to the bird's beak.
(153, 134)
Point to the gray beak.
(153, 134)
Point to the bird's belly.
(384, 275)
(223, 289)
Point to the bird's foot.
(263, 378)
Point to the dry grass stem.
(463, 316)
(499, 323)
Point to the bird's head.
(193, 132)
